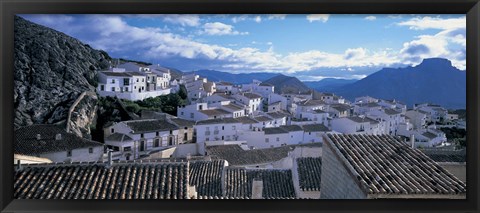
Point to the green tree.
(183, 92)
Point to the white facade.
(139, 143)
(129, 85)
(417, 118)
(357, 125)
(251, 100)
(217, 130)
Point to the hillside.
(287, 84)
(435, 81)
(328, 84)
(241, 78)
(51, 70)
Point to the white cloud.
(217, 28)
(371, 18)
(427, 22)
(182, 19)
(318, 17)
(449, 43)
(114, 35)
(258, 19)
(277, 16)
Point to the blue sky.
(310, 46)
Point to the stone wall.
(337, 181)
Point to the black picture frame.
(9, 8)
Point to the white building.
(47, 141)
(313, 133)
(264, 89)
(435, 113)
(338, 110)
(138, 138)
(202, 111)
(357, 125)
(392, 119)
(222, 129)
(129, 85)
(308, 106)
(251, 100)
(418, 118)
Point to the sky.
(309, 47)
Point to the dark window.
(102, 87)
(126, 81)
(112, 130)
(170, 141)
(157, 134)
(142, 146)
(171, 132)
(69, 153)
(90, 150)
(156, 143)
(223, 127)
(141, 135)
(185, 136)
(113, 81)
(113, 89)
(126, 89)
(128, 148)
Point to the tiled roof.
(319, 111)
(116, 74)
(309, 173)
(446, 155)
(251, 95)
(429, 135)
(97, 181)
(246, 120)
(118, 137)
(391, 112)
(182, 122)
(149, 125)
(26, 142)
(291, 128)
(384, 165)
(225, 83)
(263, 118)
(207, 177)
(266, 84)
(359, 119)
(277, 184)
(341, 107)
(315, 128)
(233, 107)
(236, 156)
(213, 112)
(276, 115)
(311, 102)
(274, 130)
(217, 121)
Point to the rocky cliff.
(51, 70)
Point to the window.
(207, 139)
(171, 132)
(138, 80)
(126, 81)
(113, 81)
(69, 153)
(185, 136)
(222, 137)
(267, 140)
(141, 135)
(143, 79)
(135, 87)
(128, 148)
(112, 130)
(157, 134)
(102, 87)
(278, 139)
(223, 127)
(181, 113)
(156, 143)
(191, 115)
(126, 89)
(90, 150)
(113, 89)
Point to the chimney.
(58, 137)
(19, 165)
(39, 137)
(109, 157)
(412, 140)
(257, 188)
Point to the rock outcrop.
(51, 70)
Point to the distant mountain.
(242, 78)
(435, 81)
(328, 84)
(287, 84)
